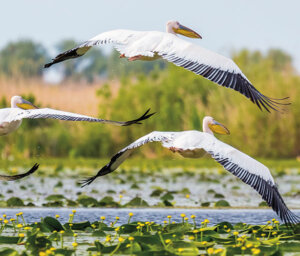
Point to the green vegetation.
(188, 237)
(180, 98)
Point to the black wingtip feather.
(138, 120)
(20, 176)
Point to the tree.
(24, 58)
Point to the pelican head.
(19, 102)
(210, 125)
(175, 27)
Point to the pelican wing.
(120, 38)
(19, 176)
(214, 67)
(121, 156)
(251, 172)
(19, 114)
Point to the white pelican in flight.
(151, 45)
(11, 118)
(194, 144)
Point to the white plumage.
(151, 45)
(192, 144)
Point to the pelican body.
(11, 118)
(193, 144)
(151, 45)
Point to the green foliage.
(181, 100)
(22, 59)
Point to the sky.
(225, 26)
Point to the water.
(249, 216)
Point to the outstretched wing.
(214, 67)
(117, 37)
(251, 172)
(19, 114)
(19, 176)
(121, 156)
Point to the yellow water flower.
(210, 251)
(186, 218)
(117, 229)
(218, 250)
(169, 216)
(27, 228)
(21, 235)
(263, 235)
(206, 221)
(195, 231)
(70, 224)
(121, 239)
(75, 235)
(193, 216)
(274, 233)
(165, 222)
(130, 214)
(121, 196)
(187, 196)
(108, 238)
(102, 217)
(128, 245)
(180, 250)
(74, 211)
(168, 241)
(239, 239)
(19, 225)
(57, 216)
(235, 233)
(52, 249)
(254, 231)
(228, 230)
(42, 254)
(202, 229)
(12, 220)
(255, 251)
(4, 215)
(182, 215)
(71, 215)
(117, 218)
(131, 238)
(62, 231)
(276, 222)
(191, 237)
(74, 244)
(249, 245)
(204, 242)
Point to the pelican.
(194, 144)
(151, 45)
(11, 118)
(19, 176)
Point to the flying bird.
(152, 45)
(11, 118)
(194, 144)
(19, 176)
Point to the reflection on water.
(250, 216)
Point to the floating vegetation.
(190, 236)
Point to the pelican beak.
(185, 31)
(26, 105)
(219, 128)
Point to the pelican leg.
(174, 149)
(137, 57)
